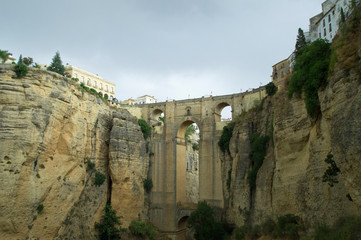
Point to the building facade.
(326, 24)
(146, 99)
(91, 80)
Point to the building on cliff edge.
(91, 80)
(324, 25)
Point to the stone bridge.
(169, 208)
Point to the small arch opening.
(157, 117)
(183, 228)
(223, 112)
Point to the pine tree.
(57, 65)
(4, 55)
(300, 42)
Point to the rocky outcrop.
(290, 179)
(192, 172)
(49, 130)
(128, 167)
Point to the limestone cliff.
(290, 179)
(49, 130)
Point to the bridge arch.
(223, 112)
(182, 226)
(155, 116)
(181, 162)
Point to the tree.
(20, 68)
(271, 89)
(57, 65)
(4, 55)
(108, 227)
(300, 42)
(204, 224)
(28, 61)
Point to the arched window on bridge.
(157, 117)
(223, 112)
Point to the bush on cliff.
(346, 228)
(141, 229)
(310, 73)
(56, 65)
(226, 136)
(20, 68)
(258, 152)
(204, 224)
(271, 89)
(110, 226)
(146, 129)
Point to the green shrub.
(90, 166)
(99, 178)
(148, 184)
(40, 208)
(190, 130)
(330, 175)
(20, 68)
(141, 229)
(161, 119)
(258, 152)
(56, 65)
(4, 55)
(287, 226)
(346, 228)
(268, 226)
(195, 146)
(310, 73)
(226, 136)
(110, 226)
(271, 89)
(204, 224)
(240, 233)
(37, 175)
(146, 129)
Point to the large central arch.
(181, 162)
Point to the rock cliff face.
(49, 130)
(290, 179)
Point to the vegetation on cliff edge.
(258, 152)
(226, 136)
(110, 226)
(204, 223)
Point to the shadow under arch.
(182, 228)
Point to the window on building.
(333, 12)
(324, 23)
(330, 27)
(95, 84)
(319, 35)
(75, 75)
(82, 79)
(324, 32)
(111, 90)
(88, 82)
(106, 88)
(100, 86)
(329, 17)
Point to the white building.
(91, 80)
(146, 99)
(325, 24)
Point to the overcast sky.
(170, 49)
